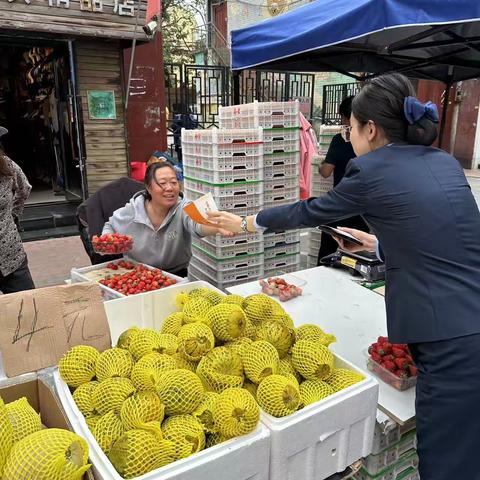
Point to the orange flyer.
(199, 208)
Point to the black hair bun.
(423, 132)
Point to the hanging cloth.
(308, 150)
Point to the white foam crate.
(239, 204)
(224, 189)
(282, 158)
(241, 458)
(282, 261)
(231, 251)
(280, 196)
(279, 250)
(375, 463)
(231, 162)
(223, 176)
(260, 114)
(405, 469)
(325, 437)
(276, 238)
(87, 274)
(281, 171)
(199, 270)
(222, 136)
(227, 264)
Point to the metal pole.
(444, 113)
(236, 87)
(132, 55)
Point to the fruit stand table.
(355, 315)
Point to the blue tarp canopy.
(430, 39)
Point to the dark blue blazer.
(418, 203)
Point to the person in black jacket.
(339, 153)
(419, 205)
(99, 207)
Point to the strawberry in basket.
(279, 287)
(112, 243)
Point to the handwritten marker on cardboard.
(198, 209)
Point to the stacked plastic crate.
(281, 164)
(319, 187)
(229, 164)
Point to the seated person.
(94, 212)
(161, 230)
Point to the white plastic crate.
(282, 158)
(405, 469)
(239, 204)
(195, 152)
(281, 196)
(241, 458)
(327, 436)
(219, 241)
(321, 185)
(312, 261)
(281, 183)
(223, 176)
(200, 270)
(92, 274)
(231, 251)
(227, 264)
(282, 249)
(276, 238)
(260, 114)
(281, 140)
(224, 189)
(281, 171)
(231, 162)
(282, 261)
(375, 463)
(222, 136)
(273, 272)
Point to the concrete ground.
(51, 260)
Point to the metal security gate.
(332, 97)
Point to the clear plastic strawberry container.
(388, 377)
(104, 247)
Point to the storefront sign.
(120, 7)
(101, 105)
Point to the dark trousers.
(448, 408)
(19, 280)
(328, 244)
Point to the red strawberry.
(403, 346)
(388, 365)
(397, 352)
(409, 359)
(385, 349)
(413, 370)
(376, 357)
(382, 340)
(401, 363)
(389, 357)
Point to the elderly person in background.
(14, 191)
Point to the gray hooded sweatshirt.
(169, 247)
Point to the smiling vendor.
(161, 230)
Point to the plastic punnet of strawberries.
(276, 286)
(112, 243)
(393, 363)
(140, 279)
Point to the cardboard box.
(43, 399)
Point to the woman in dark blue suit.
(418, 203)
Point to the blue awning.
(433, 39)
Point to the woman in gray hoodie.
(161, 230)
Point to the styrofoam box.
(273, 239)
(231, 162)
(375, 463)
(202, 271)
(224, 189)
(227, 264)
(282, 249)
(239, 204)
(282, 261)
(78, 275)
(223, 176)
(243, 247)
(241, 458)
(325, 437)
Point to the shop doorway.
(37, 106)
